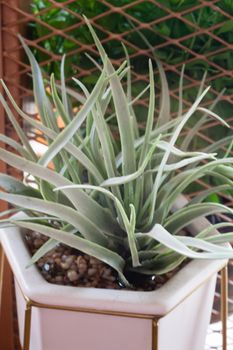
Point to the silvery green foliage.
(109, 198)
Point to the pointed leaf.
(66, 135)
(73, 217)
(116, 181)
(182, 217)
(162, 235)
(85, 205)
(128, 224)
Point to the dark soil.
(67, 266)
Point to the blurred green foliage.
(174, 28)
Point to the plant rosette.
(121, 202)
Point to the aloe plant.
(112, 198)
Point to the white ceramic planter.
(61, 317)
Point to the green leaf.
(84, 204)
(226, 27)
(182, 217)
(17, 127)
(164, 145)
(202, 84)
(200, 244)
(107, 146)
(57, 102)
(164, 160)
(19, 148)
(72, 149)
(164, 110)
(129, 91)
(66, 135)
(80, 222)
(162, 235)
(12, 185)
(38, 84)
(207, 193)
(214, 115)
(150, 118)
(116, 181)
(79, 155)
(128, 224)
(46, 189)
(161, 264)
(175, 186)
(122, 110)
(192, 132)
(63, 87)
(180, 108)
(44, 249)
(105, 141)
(185, 162)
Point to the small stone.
(94, 284)
(93, 261)
(65, 265)
(79, 260)
(58, 279)
(48, 278)
(82, 265)
(40, 263)
(56, 255)
(73, 266)
(82, 268)
(111, 278)
(50, 260)
(38, 242)
(91, 272)
(57, 261)
(70, 259)
(106, 273)
(72, 275)
(46, 267)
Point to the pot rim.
(159, 302)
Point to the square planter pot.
(176, 316)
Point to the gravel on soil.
(67, 266)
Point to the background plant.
(145, 12)
(118, 23)
(115, 200)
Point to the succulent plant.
(114, 197)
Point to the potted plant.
(118, 201)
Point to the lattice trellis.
(128, 19)
(75, 40)
(199, 44)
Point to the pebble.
(58, 279)
(38, 242)
(67, 266)
(46, 267)
(92, 271)
(106, 273)
(72, 275)
(57, 261)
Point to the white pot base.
(176, 316)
